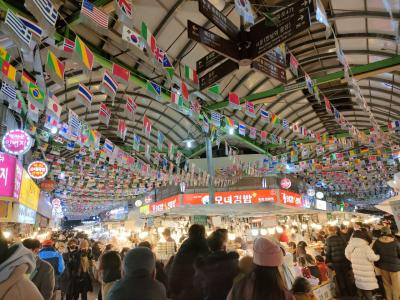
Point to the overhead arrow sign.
(217, 73)
(208, 61)
(213, 41)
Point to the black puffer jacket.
(181, 274)
(334, 250)
(215, 273)
(388, 248)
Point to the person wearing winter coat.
(138, 278)
(389, 263)
(15, 263)
(265, 281)
(302, 289)
(52, 256)
(216, 272)
(336, 260)
(181, 273)
(43, 275)
(362, 259)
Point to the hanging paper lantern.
(48, 185)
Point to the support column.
(211, 170)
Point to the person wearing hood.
(15, 262)
(181, 274)
(138, 278)
(362, 259)
(52, 256)
(43, 275)
(388, 249)
(265, 281)
(216, 272)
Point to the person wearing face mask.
(43, 275)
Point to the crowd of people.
(363, 263)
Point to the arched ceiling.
(362, 27)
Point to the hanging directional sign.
(217, 73)
(266, 66)
(218, 18)
(208, 61)
(290, 22)
(212, 40)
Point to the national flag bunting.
(4, 55)
(265, 117)
(160, 140)
(394, 125)
(74, 124)
(33, 112)
(55, 68)
(250, 109)
(132, 37)
(176, 99)
(84, 96)
(234, 100)
(168, 66)
(124, 10)
(229, 122)
(191, 74)
(33, 27)
(253, 133)
(130, 106)
(53, 106)
(216, 118)
(109, 85)
(95, 15)
(184, 90)
(275, 121)
(36, 95)
(15, 105)
(8, 91)
(120, 74)
(147, 124)
(8, 72)
(46, 9)
(17, 27)
(215, 89)
(328, 106)
(159, 55)
(108, 146)
(242, 129)
(294, 65)
(153, 88)
(122, 128)
(84, 54)
(68, 46)
(104, 114)
(149, 38)
(263, 135)
(136, 142)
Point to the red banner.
(164, 205)
(290, 198)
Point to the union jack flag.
(159, 55)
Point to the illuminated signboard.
(38, 169)
(17, 142)
(286, 183)
(320, 204)
(232, 197)
(10, 176)
(30, 192)
(164, 205)
(290, 198)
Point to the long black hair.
(275, 289)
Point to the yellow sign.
(5, 211)
(144, 210)
(30, 192)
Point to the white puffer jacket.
(362, 259)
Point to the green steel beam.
(356, 70)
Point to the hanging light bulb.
(231, 130)
(254, 232)
(189, 144)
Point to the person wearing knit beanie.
(267, 258)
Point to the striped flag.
(122, 128)
(33, 27)
(328, 106)
(136, 142)
(124, 10)
(229, 122)
(184, 90)
(93, 14)
(109, 85)
(130, 106)
(160, 140)
(176, 99)
(68, 46)
(18, 28)
(4, 55)
(168, 66)
(84, 96)
(264, 116)
(216, 118)
(46, 9)
(149, 38)
(8, 91)
(242, 129)
(120, 74)
(53, 106)
(275, 120)
(74, 124)
(191, 74)
(104, 114)
(108, 146)
(84, 54)
(55, 68)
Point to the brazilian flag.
(36, 95)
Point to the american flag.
(74, 123)
(8, 90)
(104, 114)
(216, 118)
(93, 13)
